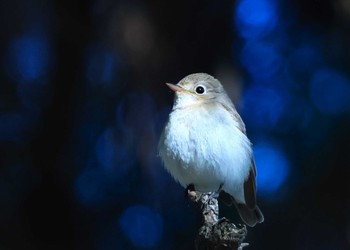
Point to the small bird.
(204, 144)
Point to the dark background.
(83, 102)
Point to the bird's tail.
(249, 216)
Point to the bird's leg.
(195, 196)
(215, 195)
(212, 201)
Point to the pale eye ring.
(200, 90)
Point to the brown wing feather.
(249, 212)
(250, 187)
(249, 216)
(232, 110)
(249, 184)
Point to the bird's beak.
(175, 88)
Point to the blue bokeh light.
(254, 18)
(29, 58)
(261, 59)
(263, 107)
(304, 60)
(101, 65)
(272, 165)
(91, 186)
(142, 226)
(111, 153)
(299, 113)
(97, 188)
(330, 91)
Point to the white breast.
(204, 147)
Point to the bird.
(204, 144)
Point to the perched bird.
(204, 144)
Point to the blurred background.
(83, 102)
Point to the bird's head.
(196, 89)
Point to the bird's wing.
(250, 187)
(250, 183)
(249, 212)
(233, 112)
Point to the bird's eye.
(200, 90)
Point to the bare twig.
(218, 234)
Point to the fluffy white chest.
(204, 147)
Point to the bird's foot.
(195, 196)
(215, 194)
(189, 188)
(191, 193)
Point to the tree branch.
(216, 234)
